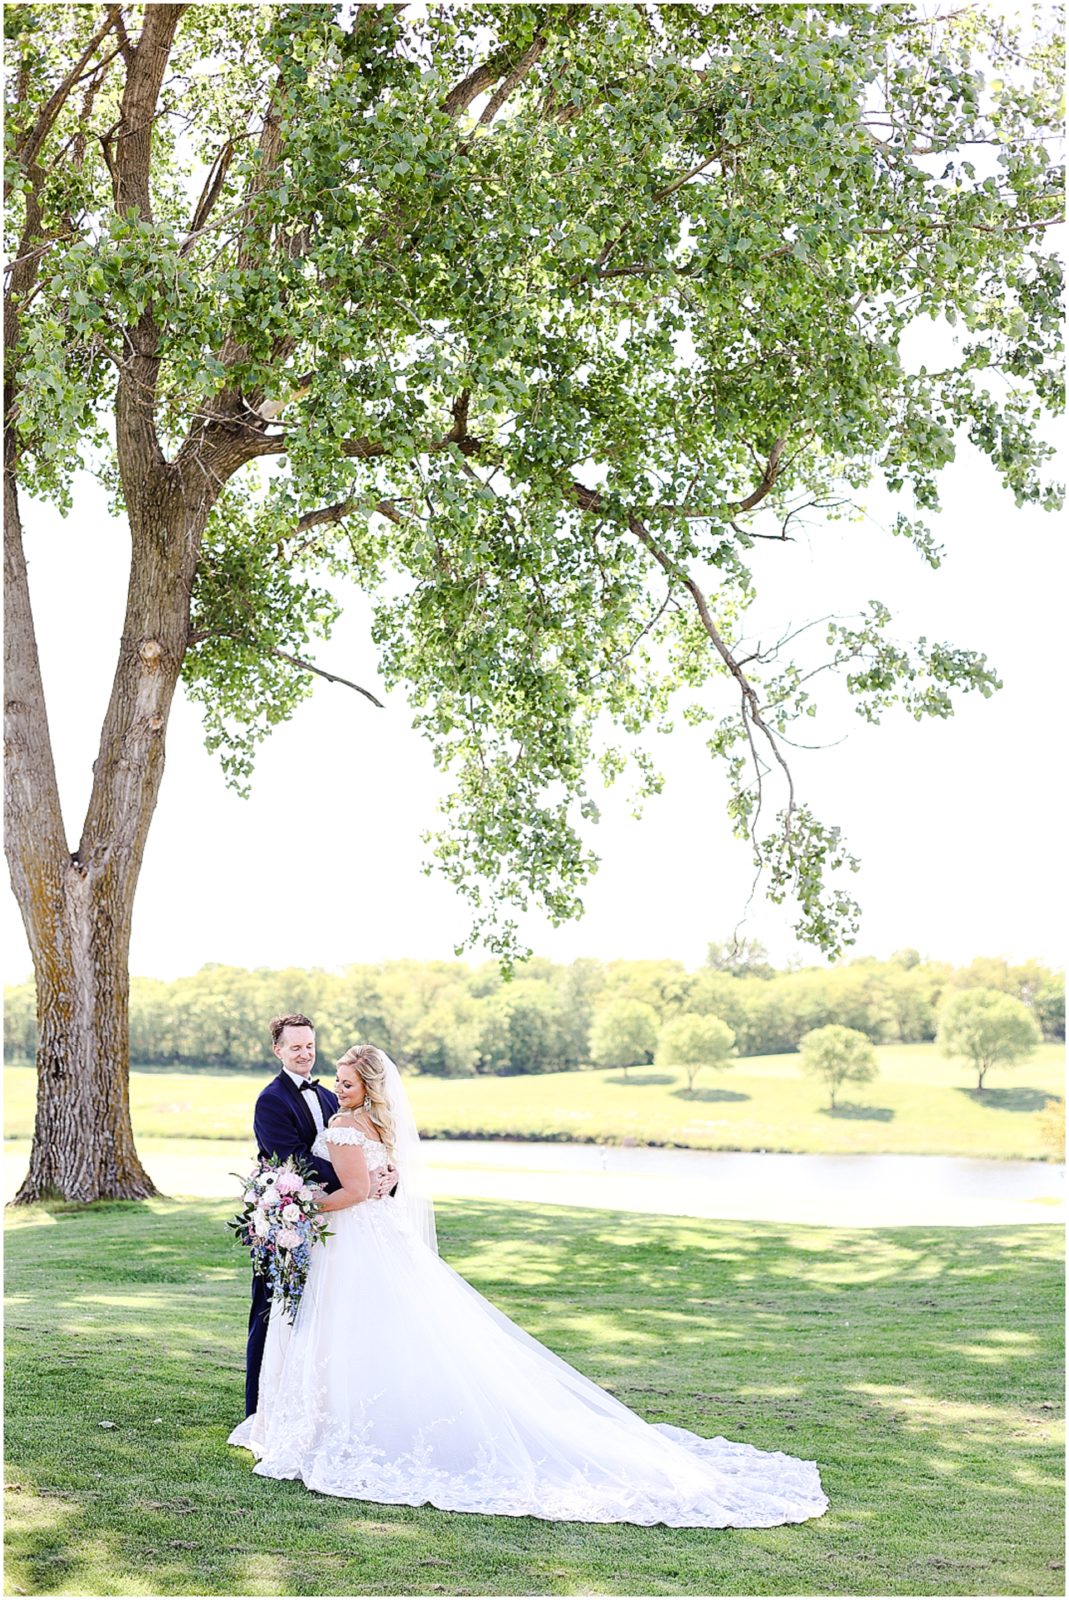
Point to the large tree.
(539, 316)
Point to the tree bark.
(77, 907)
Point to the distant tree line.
(451, 1019)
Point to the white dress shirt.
(309, 1096)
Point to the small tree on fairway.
(836, 1056)
(624, 1032)
(693, 1042)
(987, 1028)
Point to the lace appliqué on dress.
(355, 1455)
(374, 1150)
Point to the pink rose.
(287, 1238)
(288, 1182)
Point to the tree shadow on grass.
(915, 1364)
(57, 1207)
(1016, 1099)
(854, 1111)
(638, 1079)
(708, 1095)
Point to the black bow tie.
(309, 1083)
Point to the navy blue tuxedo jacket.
(284, 1125)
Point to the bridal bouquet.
(278, 1224)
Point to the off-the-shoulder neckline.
(353, 1127)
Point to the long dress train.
(399, 1383)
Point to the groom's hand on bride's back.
(380, 1183)
(386, 1181)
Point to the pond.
(865, 1191)
(836, 1191)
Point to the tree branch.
(29, 147)
(977, 227)
(326, 514)
(143, 82)
(592, 500)
(641, 270)
(385, 508)
(365, 449)
(213, 185)
(677, 183)
(124, 38)
(291, 660)
(768, 479)
(338, 513)
(484, 77)
(96, 82)
(514, 79)
(139, 452)
(35, 835)
(320, 672)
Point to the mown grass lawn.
(920, 1367)
(920, 1104)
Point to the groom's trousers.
(254, 1348)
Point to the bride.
(399, 1383)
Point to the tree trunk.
(981, 1071)
(83, 1141)
(77, 908)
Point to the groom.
(290, 1112)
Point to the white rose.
(304, 1193)
(287, 1238)
(270, 1198)
(261, 1225)
(291, 1213)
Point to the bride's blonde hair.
(371, 1065)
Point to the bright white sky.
(958, 824)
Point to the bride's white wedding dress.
(399, 1383)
